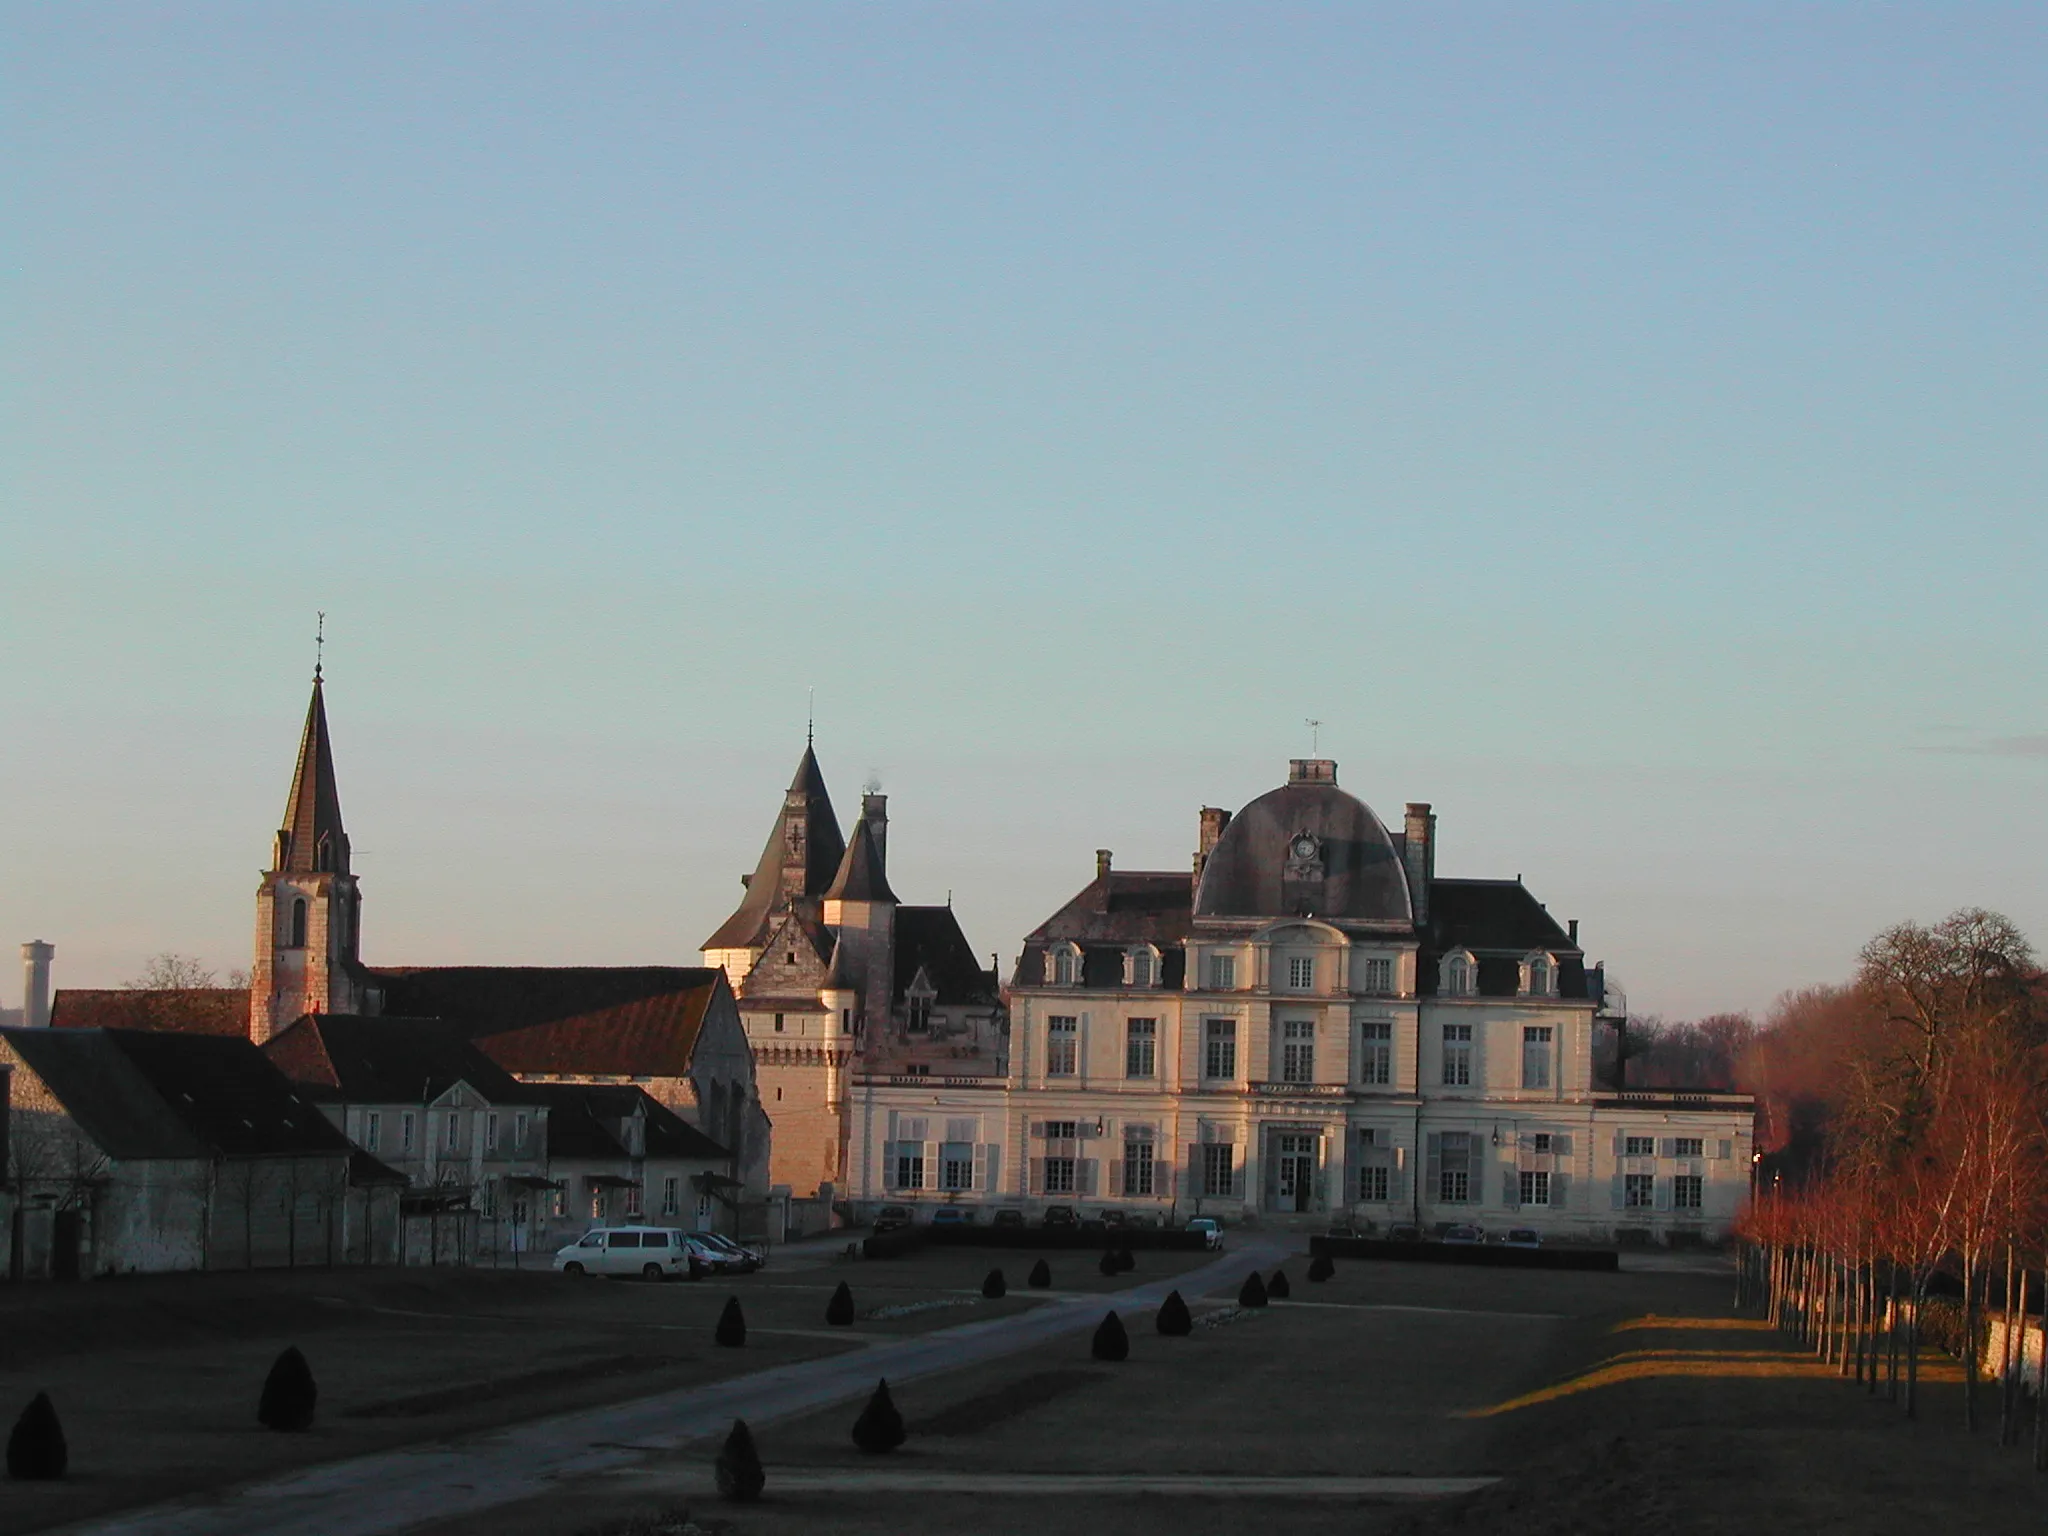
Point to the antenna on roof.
(1315, 737)
(319, 641)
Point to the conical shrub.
(289, 1393)
(1107, 1263)
(994, 1285)
(1040, 1276)
(1174, 1320)
(732, 1324)
(1321, 1267)
(1254, 1292)
(738, 1468)
(1278, 1287)
(879, 1427)
(839, 1310)
(36, 1452)
(1111, 1342)
(1126, 1261)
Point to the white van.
(653, 1252)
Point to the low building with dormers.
(1313, 1026)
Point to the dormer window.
(1301, 973)
(1539, 976)
(1460, 977)
(1222, 973)
(1141, 966)
(1063, 965)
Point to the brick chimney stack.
(1419, 855)
(1214, 820)
(874, 810)
(1102, 857)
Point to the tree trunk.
(1913, 1346)
(1969, 1338)
(2041, 1385)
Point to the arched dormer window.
(1539, 976)
(1141, 966)
(1460, 975)
(1063, 965)
(299, 922)
(323, 854)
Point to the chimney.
(1572, 932)
(874, 810)
(1419, 854)
(1312, 770)
(1214, 820)
(35, 982)
(1102, 863)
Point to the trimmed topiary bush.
(1107, 1264)
(839, 1310)
(289, 1394)
(1040, 1277)
(1174, 1320)
(1321, 1267)
(738, 1468)
(732, 1324)
(1111, 1342)
(36, 1452)
(1277, 1287)
(879, 1428)
(994, 1285)
(1254, 1292)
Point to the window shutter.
(1663, 1194)
(1724, 1149)
(1084, 1176)
(931, 1165)
(1037, 1180)
(1195, 1171)
(981, 1167)
(1511, 1189)
(1237, 1181)
(1667, 1146)
(1116, 1176)
(1162, 1177)
(1433, 1164)
(1561, 1145)
(1560, 1189)
(1620, 1143)
(1038, 1130)
(1354, 1179)
(1620, 1195)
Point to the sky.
(1619, 425)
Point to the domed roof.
(1306, 847)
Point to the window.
(1376, 976)
(1141, 1044)
(1372, 1184)
(1689, 1146)
(1685, 1192)
(1061, 1130)
(1535, 1188)
(956, 1165)
(1062, 1040)
(1219, 1048)
(405, 1132)
(1639, 1146)
(1454, 1171)
(920, 1014)
(778, 1023)
(596, 1202)
(1376, 1054)
(1138, 1160)
(1540, 1141)
(558, 1203)
(1061, 969)
(299, 923)
(1222, 973)
(1460, 975)
(1297, 1051)
(1542, 977)
(1059, 1175)
(1219, 1168)
(1638, 1191)
(521, 1124)
(1301, 973)
(671, 1195)
(633, 1201)
(451, 1139)
(909, 1165)
(488, 1198)
(1536, 1056)
(373, 1127)
(491, 1131)
(1457, 1055)
(1140, 967)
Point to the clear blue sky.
(1623, 425)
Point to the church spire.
(312, 838)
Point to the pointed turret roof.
(313, 813)
(794, 870)
(861, 876)
(839, 975)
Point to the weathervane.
(319, 642)
(1315, 737)
(810, 715)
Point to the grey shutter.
(1116, 1177)
(1620, 1193)
(1663, 1194)
(1037, 1181)
(1620, 1144)
(1560, 1189)
(931, 1165)
(1511, 1188)
(1084, 1175)
(1667, 1146)
(1162, 1175)
(1038, 1130)
(1561, 1145)
(1433, 1165)
(981, 1166)
(1196, 1172)
(1237, 1177)
(1725, 1149)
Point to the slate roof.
(824, 848)
(182, 1010)
(930, 939)
(1362, 879)
(624, 1021)
(1110, 914)
(1500, 921)
(341, 1056)
(152, 1094)
(313, 810)
(861, 876)
(580, 1117)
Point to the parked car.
(1008, 1216)
(1404, 1232)
(1210, 1228)
(953, 1216)
(1462, 1235)
(891, 1218)
(1059, 1216)
(1522, 1237)
(654, 1253)
(1142, 1221)
(728, 1254)
(1111, 1217)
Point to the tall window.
(373, 1127)
(1372, 1183)
(1685, 1192)
(1541, 977)
(1222, 973)
(1458, 976)
(1639, 1146)
(1063, 972)
(1376, 1054)
(1219, 1166)
(1376, 976)
(1454, 1173)
(920, 1015)
(909, 1165)
(1141, 1043)
(1535, 1188)
(491, 1131)
(1301, 973)
(1219, 1048)
(1638, 1191)
(671, 1195)
(1141, 967)
(1457, 1055)
(956, 1165)
(405, 1132)
(451, 1135)
(1297, 1051)
(299, 923)
(1138, 1160)
(1536, 1056)
(1059, 1175)
(521, 1122)
(1688, 1146)
(1062, 1045)
(633, 1206)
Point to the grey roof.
(581, 1117)
(823, 848)
(929, 939)
(861, 876)
(312, 813)
(1500, 921)
(1361, 878)
(1111, 913)
(387, 1060)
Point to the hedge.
(1486, 1255)
(890, 1245)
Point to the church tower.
(308, 908)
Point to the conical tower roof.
(861, 876)
(312, 815)
(802, 855)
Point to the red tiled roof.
(178, 1010)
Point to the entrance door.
(1297, 1172)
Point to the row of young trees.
(1908, 1198)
